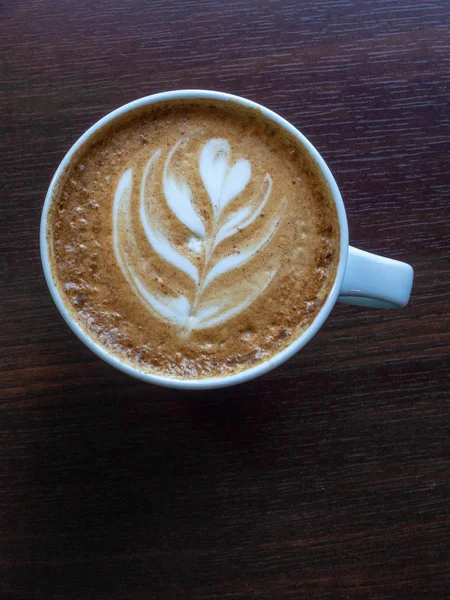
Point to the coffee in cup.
(193, 238)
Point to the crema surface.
(194, 239)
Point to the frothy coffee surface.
(193, 239)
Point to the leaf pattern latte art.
(223, 182)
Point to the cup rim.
(213, 382)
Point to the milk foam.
(224, 182)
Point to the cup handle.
(375, 281)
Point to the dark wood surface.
(327, 478)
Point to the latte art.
(201, 259)
(193, 239)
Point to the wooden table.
(327, 478)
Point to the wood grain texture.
(327, 478)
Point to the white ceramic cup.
(361, 278)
